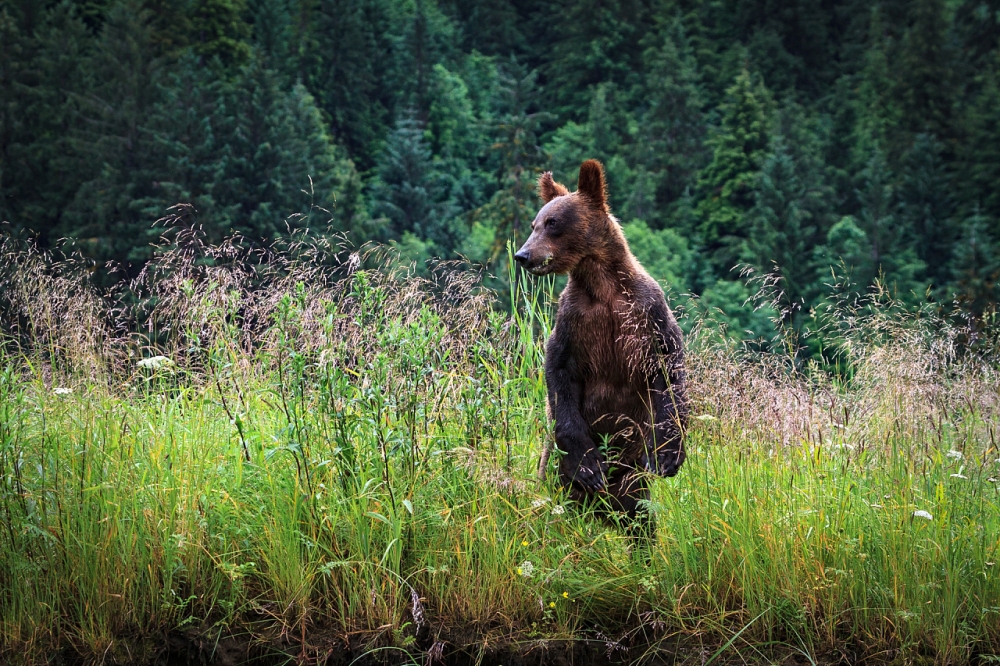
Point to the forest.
(798, 144)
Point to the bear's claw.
(591, 473)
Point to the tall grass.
(306, 449)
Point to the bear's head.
(570, 227)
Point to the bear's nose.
(522, 256)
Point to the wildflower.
(558, 510)
(155, 363)
(525, 543)
(552, 604)
(538, 502)
(923, 514)
(526, 569)
(565, 595)
(705, 417)
(954, 455)
(62, 390)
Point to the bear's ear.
(591, 184)
(549, 189)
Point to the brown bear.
(614, 363)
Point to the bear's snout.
(532, 260)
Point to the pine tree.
(927, 206)
(591, 42)
(106, 212)
(783, 227)
(279, 159)
(219, 30)
(428, 37)
(726, 184)
(349, 60)
(976, 270)
(889, 239)
(272, 34)
(410, 193)
(492, 27)
(512, 207)
(924, 73)
(671, 140)
(16, 51)
(980, 153)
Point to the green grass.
(353, 459)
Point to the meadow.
(306, 456)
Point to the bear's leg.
(630, 499)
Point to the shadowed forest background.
(815, 141)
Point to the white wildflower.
(705, 417)
(155, 363)
(955, 455)
(526, 569)
(923, 514)
(541, 501)
(62, 390)
(558, 510)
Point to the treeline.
(817, 140)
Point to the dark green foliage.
(410, 193)
(977, 267)
(793, 138)
(726, 185)
(346, 54)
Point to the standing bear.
(615, 360)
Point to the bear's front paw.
(590, 473)
(666, 462)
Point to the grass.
(339, 455)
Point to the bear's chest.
(606, 363)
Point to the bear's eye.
(551, 222)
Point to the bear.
(614, 362)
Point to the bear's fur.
(615, 361)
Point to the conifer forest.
(798, 139)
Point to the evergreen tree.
(980, 153)
(591, 42)
(890, 241)
(492, 27)
(410, 193)
(219, 30)
(348, 59)
(106, 213)
(926, 84)
(976, 271)
(279, 158)
(513, 205)
(847, 248)
(784, 231)
(927, 207)
(726, 184)
(272, 34)
(428, 36)
(673, 126)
